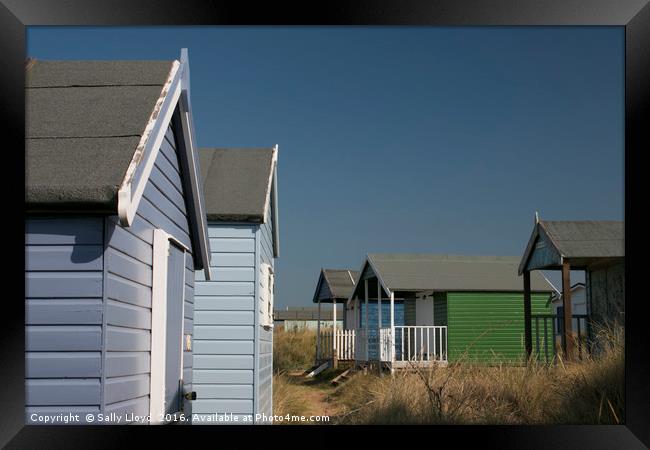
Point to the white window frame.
(161, 245)
(267, 295)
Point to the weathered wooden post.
(566, 303)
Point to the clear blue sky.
(400, 139)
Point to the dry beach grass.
(293, 349)
(586, 392)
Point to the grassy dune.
(587, 392)
(293, 350)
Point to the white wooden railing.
(342, 340)
(385, 344)
(420, 343)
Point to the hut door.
(174, 335)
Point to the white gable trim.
(271, 206)
(368, 262)
(191, 149)
(131, 189)
(176, 91)
(274, 213)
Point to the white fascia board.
(269, 184)
(191, 148)
(131, 189)
(271, 207)
(274, 213)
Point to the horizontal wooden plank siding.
(233, 245)
(232, 391)
(222, 406)
(224, 332)
(64, 262)
(264, 375)
(46, 338)
(75, 231)
(188, 355)
(224, 317)
(127, 387)
(489, 326)
(67, 284)
(221, 377)
(129, 276)
(224, 321)
(135, 407)
(48, 392)
(440, 309)
(223, 347)
(64, 257)
(63, 365)
(63, 311)
(223, 361)
(120, 364)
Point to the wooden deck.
(402, 347)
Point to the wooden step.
(342, 377)
(319, 369)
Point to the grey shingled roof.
(421, 272)
(588, 238)
(335, 284)
(84, 120)
(582, 243)
(236, 183)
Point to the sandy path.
(317, 395)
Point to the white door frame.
(161, 244)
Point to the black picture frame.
(634, 15)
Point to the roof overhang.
(321, 279)
(539, 233)
(272, 202)
(368, 263)
(554, 257)
(369, 269)
(175, 92)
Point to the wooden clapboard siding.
(233, 353)
(63, 365)
(188, 355)
(64, 264)
(88, 283)
(234, 406)
(264, 375)
(224, 321)
(128, 285)
(409, 311)
(488, 326)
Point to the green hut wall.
(486, 326)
